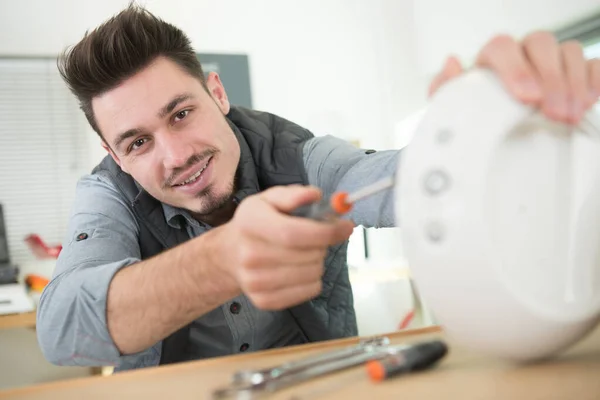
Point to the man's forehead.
(121, 109)
(139, 99)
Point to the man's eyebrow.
(167, 109)
(126, 135)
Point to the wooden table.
(25, 320)
(461, 375)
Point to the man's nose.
(175, 151)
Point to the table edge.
(82, 381)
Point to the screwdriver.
(411, 359)
(340, 203)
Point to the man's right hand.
(277, 259)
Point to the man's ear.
(217, 92)
(112, 154)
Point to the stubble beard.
(212, 201)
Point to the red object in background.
(40, 248)
(406, 320)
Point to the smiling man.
(180, 245)
(149, 125)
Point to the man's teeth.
(195, 176)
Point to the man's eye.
(137, 144)
(181, 115)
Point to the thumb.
(452, 68)
(288, 198)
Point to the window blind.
(43, 152)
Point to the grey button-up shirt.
(236, 325)
(71, 322)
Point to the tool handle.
(319, 211)
(414, 358)
(325, 209)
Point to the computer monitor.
(4, 256)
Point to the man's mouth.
(195, 176)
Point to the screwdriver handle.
(318, 211)
(415, 358)
(325, 209)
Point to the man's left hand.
(539, 71)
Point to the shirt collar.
(176, 216)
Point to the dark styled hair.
(118, 49)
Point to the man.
(180, 245)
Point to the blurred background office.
(356, 69)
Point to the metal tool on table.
(254, 383)
(251, 383)
(341, 203)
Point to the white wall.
(352, 68)
(463, 26)
(315, 62)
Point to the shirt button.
(244, 347)
(235, 307)
(82, 236)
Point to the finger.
(575, 67)
(451, 69)
(504, 56)
(287, 297)
(543, 51)
(292, 232)
(285, 276)
(594, 79)
(263, 255)
(268, 224)
(288, 198)
(343, 229)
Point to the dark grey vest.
(271, 155)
